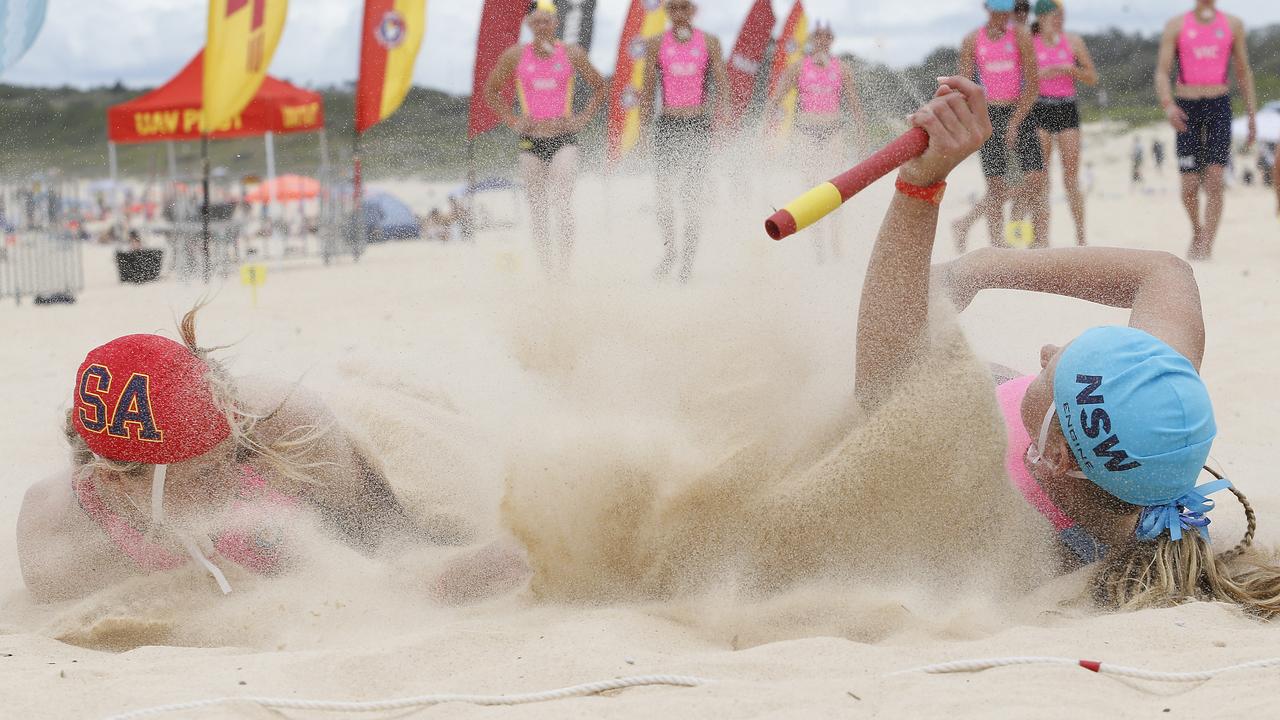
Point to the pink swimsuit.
(999, 66)
(1204, 51)
(252, 551)
(545, 84)
(820, 87)
(1059, 56)
(1009, 397)
(684, 70)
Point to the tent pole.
(357, 190)
(114, 164)
(271, 180)
(173, 162)
(204, 207)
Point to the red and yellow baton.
(823, 200)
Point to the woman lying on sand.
(173, 460)
(1116, 472)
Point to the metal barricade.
(40, 265)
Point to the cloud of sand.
(712, 454)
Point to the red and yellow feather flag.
(389, 45)
(790, 49)
(243, 35)
(647, 19)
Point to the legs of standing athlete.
(666, 220)
(1069, 143)
(1191, 201)
(1211, 183)
(990, 208)
(562, 176)
(691, 186)
(551, 185)
(534, 173)
(1035, 195)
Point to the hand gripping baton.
(823, 200)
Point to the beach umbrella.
(1268, 127)
(285, 188)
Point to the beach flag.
(577, 21)
(389, 46)
(20, 23)
(646, 19)
(747, 57)
(499, 29)
(790, 48)
(243, 35)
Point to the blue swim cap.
(1000, 5)
(1135, 414)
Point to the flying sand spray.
(826, 198)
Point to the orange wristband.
(932, 194)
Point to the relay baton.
(823, 200)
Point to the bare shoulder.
(1237, 25)
(46, 503)
(1174, 25)
(713, 42)
(61, 552)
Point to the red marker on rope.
(827, 197)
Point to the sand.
(476, 380)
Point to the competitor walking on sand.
(1205, 42)
(1062, 59)
(827, 96)
(1004, 59)
(683, 61)
(548, 127)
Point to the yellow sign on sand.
(253, 276)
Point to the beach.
(460, 363)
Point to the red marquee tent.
(172, 111)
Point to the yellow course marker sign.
(253, 275)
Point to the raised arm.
(894, 310)
(582, 64)
(503, 73)
(1084, 71)
(1158, 288)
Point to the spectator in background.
(1135, 179)
(1157, 155)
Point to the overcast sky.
(144, 42)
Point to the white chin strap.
(157, 520)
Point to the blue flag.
(20, 23)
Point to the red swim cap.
(144, 398)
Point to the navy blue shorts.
(1207, 140)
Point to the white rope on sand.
(422, 700)
(980, 664)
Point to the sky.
(144, 42)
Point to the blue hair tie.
(1185, 513)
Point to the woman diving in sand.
(1109, 439)
(175, 461)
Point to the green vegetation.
(65, 128)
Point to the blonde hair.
(1164, 572)
(286, 457)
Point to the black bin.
(139, 266)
